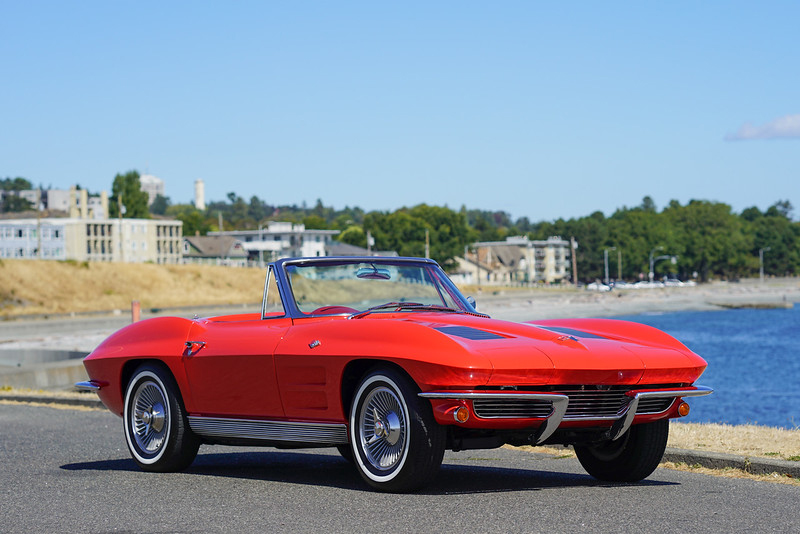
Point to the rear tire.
(156, 428)
(631, 458)
(397, 444)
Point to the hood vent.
(571, 332)
(466, 332)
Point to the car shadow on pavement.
(323, 469)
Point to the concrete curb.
(716, 460)
(91, 400)
(53, 375)
(711, 460)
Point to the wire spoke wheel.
(150, 417)
(156, 427)
(396, 443)
(383, 425)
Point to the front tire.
(631, 458)
(397, 445)
(156, 428)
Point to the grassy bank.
(54, 287)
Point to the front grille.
(594, 403)
(585, 402)
(511, 408)
(654, 405)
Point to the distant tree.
(751, 214)
(315, 222)
(160, 205)
(134, 200)
(11, 203)
(648, 204)
(15, 184)
(194, 221)
(354, 235)
(782, 208)
(258, 210)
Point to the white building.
(73, 202)
(283, 240)
(126, 240)
(57, 199)
(153, 186)
(517, 260)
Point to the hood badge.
(566, 337)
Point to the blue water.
(753, 363)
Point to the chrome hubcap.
(149, 418)
(382, 428)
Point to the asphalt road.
(69, 471)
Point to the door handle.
(190, 347)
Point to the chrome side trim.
(626, 418)
(546, 429)
(223, 427)
(88, 386)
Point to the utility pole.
(605, 261)
(574, 247)
(119, 214)
(427, 243)
(761, 262)
(39, 224)
(260, 245)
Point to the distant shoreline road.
(529, 305)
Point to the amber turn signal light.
(461, 414)
(683, 409)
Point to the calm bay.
(753, 360)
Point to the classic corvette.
(386, 360)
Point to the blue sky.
(544, 110)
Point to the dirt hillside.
(55, 287)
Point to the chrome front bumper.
(90, 385)
(622, 421)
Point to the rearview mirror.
(373, 273)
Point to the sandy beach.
(529, 305)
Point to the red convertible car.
(386, 360)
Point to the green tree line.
(708, 239)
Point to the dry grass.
(744, 440)
(730, 472)
(51, 287)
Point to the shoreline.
(530, 305)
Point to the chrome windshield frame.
(285, 289)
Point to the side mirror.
(471, 301)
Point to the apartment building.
(282, 240)
(124, 240)
(517, 260)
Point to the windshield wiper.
(398, 306)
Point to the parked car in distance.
(384, 359)
(598, 286)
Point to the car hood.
(573, 351)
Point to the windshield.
(344, 287)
